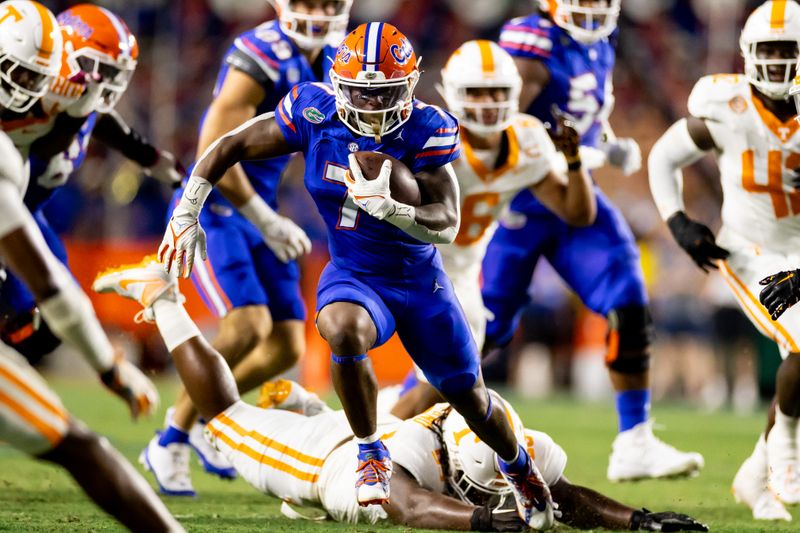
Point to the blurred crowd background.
(706, 351)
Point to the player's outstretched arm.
(112, 130)
(584, 508)
(64, 306)
(571, 199)
(258, 138)
(416, 507)
(682, 144)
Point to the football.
(402, 182)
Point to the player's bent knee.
(456, 384)
(347, 328)
(630, 332)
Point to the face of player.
(780, 50)
(316, 8)
(22, 82)
(484, 112)
(580, 19)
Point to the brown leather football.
(402, 182)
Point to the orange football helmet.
(374, 75)
(96, 41)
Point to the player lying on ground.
(503, 152)
(251, 280)
(98, 61)
(444, 476)
(31, 415)
(384, 274)
(748, 123)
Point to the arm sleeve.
(112, 130)
(673, 151)
(244, 62)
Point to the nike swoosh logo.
(125, 283)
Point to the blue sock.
(171, 435)
(633, 407)
(519, 465)
(371, 447)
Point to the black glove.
(644, 520)
(780, 292)
(696, 239)
(499, 514)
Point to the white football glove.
(624, 153)
(372, 196)
(184, 237)
(167, 169)
(90, 99)
(285, 238)
(135, 389)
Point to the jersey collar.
(484, 173)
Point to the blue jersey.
(358, 242)
(268, 56)
(40, 190)
(580, 74)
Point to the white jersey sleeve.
(550, 458)
(13, 182)
(715, 99)
(416, 447)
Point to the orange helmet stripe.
(46, 46)
(487, 58)
(777, 17)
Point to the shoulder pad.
(714, 96)
(265, 47)
(530, 36)
(431, 120)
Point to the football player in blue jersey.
(251, 280)
(565, 54)
(384, 275)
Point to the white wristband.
(258, 212)
(195, 194)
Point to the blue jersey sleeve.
(437, 138)
(528, 37)
(300, 111)
(258, 53)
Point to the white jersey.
(415, 445)
(757, 157)
(486, 193)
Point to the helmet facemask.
(21, 86)
(771, 65)
(372, 106)
(586, 23)
(114, 76)
(312, 31)
(480, 114)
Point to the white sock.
(368, 440)
(174, 323)
(759, 455)
(782, 439)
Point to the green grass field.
(38, 497)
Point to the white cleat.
(750, 488)
(784, 483)
(638, 454)
(289, 395)
(211, 460)
(170, 466)
(144, 282)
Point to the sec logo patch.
(313, 115)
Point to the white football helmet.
(772, 21)
(472, 471)
(309, 31)
(794, 92)
(586, 24)
(30, 53)
(481, 64)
